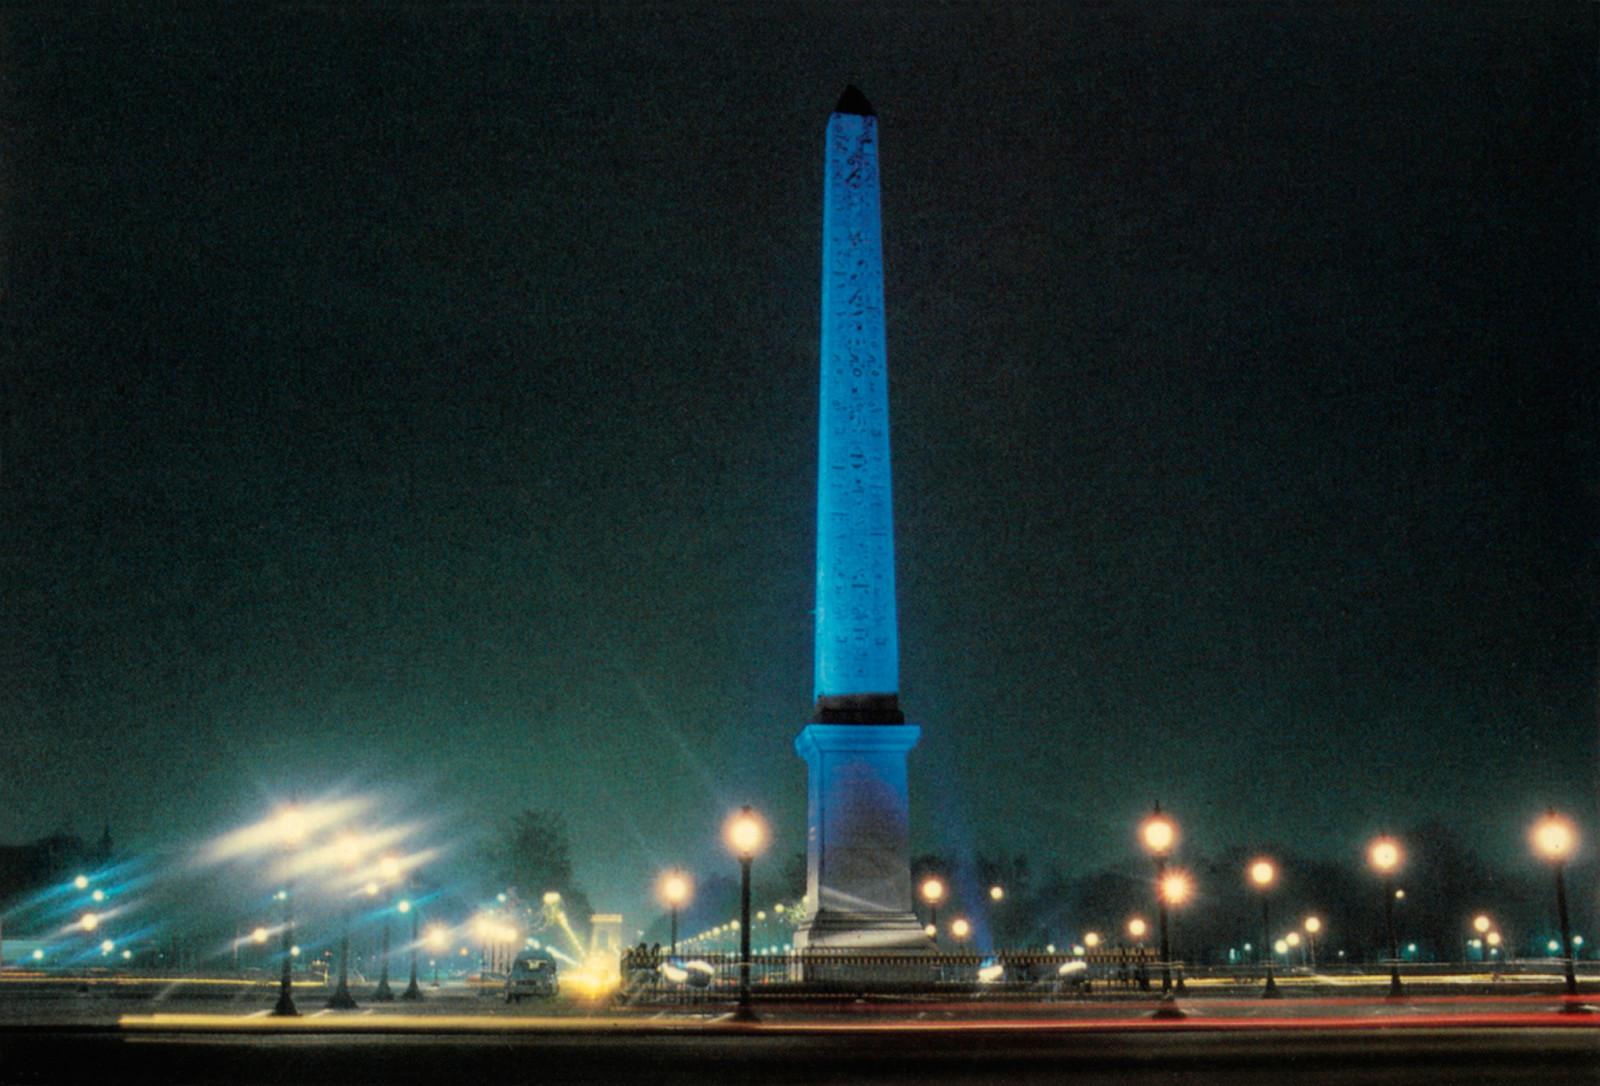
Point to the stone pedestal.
(858, 863)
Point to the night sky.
(424, 403)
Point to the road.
(214, 1032)
(1011, 1055)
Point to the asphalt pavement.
(183, 1031)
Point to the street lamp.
(1175, 890)
(438, 943)
(1313, 926)
(745, 834)
(674, 889)
(349, 848)
(289, 826)
(1137, 929)
(1384, 855)
(388, 876)
(933, 892)
(412, 992)
(997, 893)
(1481, 924)
(960, 929)
(1159, 834)
(1555, 839)
(1263, 873)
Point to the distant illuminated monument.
(858, 873)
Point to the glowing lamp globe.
(1281, 946)
(404, 906)
(1293, 938)
(929, 930)
(1175, 888)
(1091, 939)
(1263, 873)
(1554, 838)
(81, 882)
(349, 849)
(745, 833)
(960, 929)
(674, 888)
(1137, 928)
(290, 826)
(997, 893)
(1494, 938)
(1313, 925)
(1159, 834)
(258, 936)
(1480, 924)
(1384, 855)
(389, 868)
(932, 891)
(88, 921)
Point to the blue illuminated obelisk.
(858, 874)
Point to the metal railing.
(704, 978)
(655, 978)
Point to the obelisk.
(858, 873)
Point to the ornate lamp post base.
(1168, 1008)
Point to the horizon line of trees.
(1445, 885)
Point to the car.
(533, 973)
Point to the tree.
(534, 856)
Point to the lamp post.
(1175, 888)
(438, 943)
(412, 992)
(1384, 855)
(1313, 926)
(1555, 839)
(674, 888)
(1137, 929)
(341, 1000)
(389, 873)
(291, 830)
(1159, 834)
(932, 890)
(1263, 874)
(745, 835)
(1481, 924)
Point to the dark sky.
(423, 403)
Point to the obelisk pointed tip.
(853, 101)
